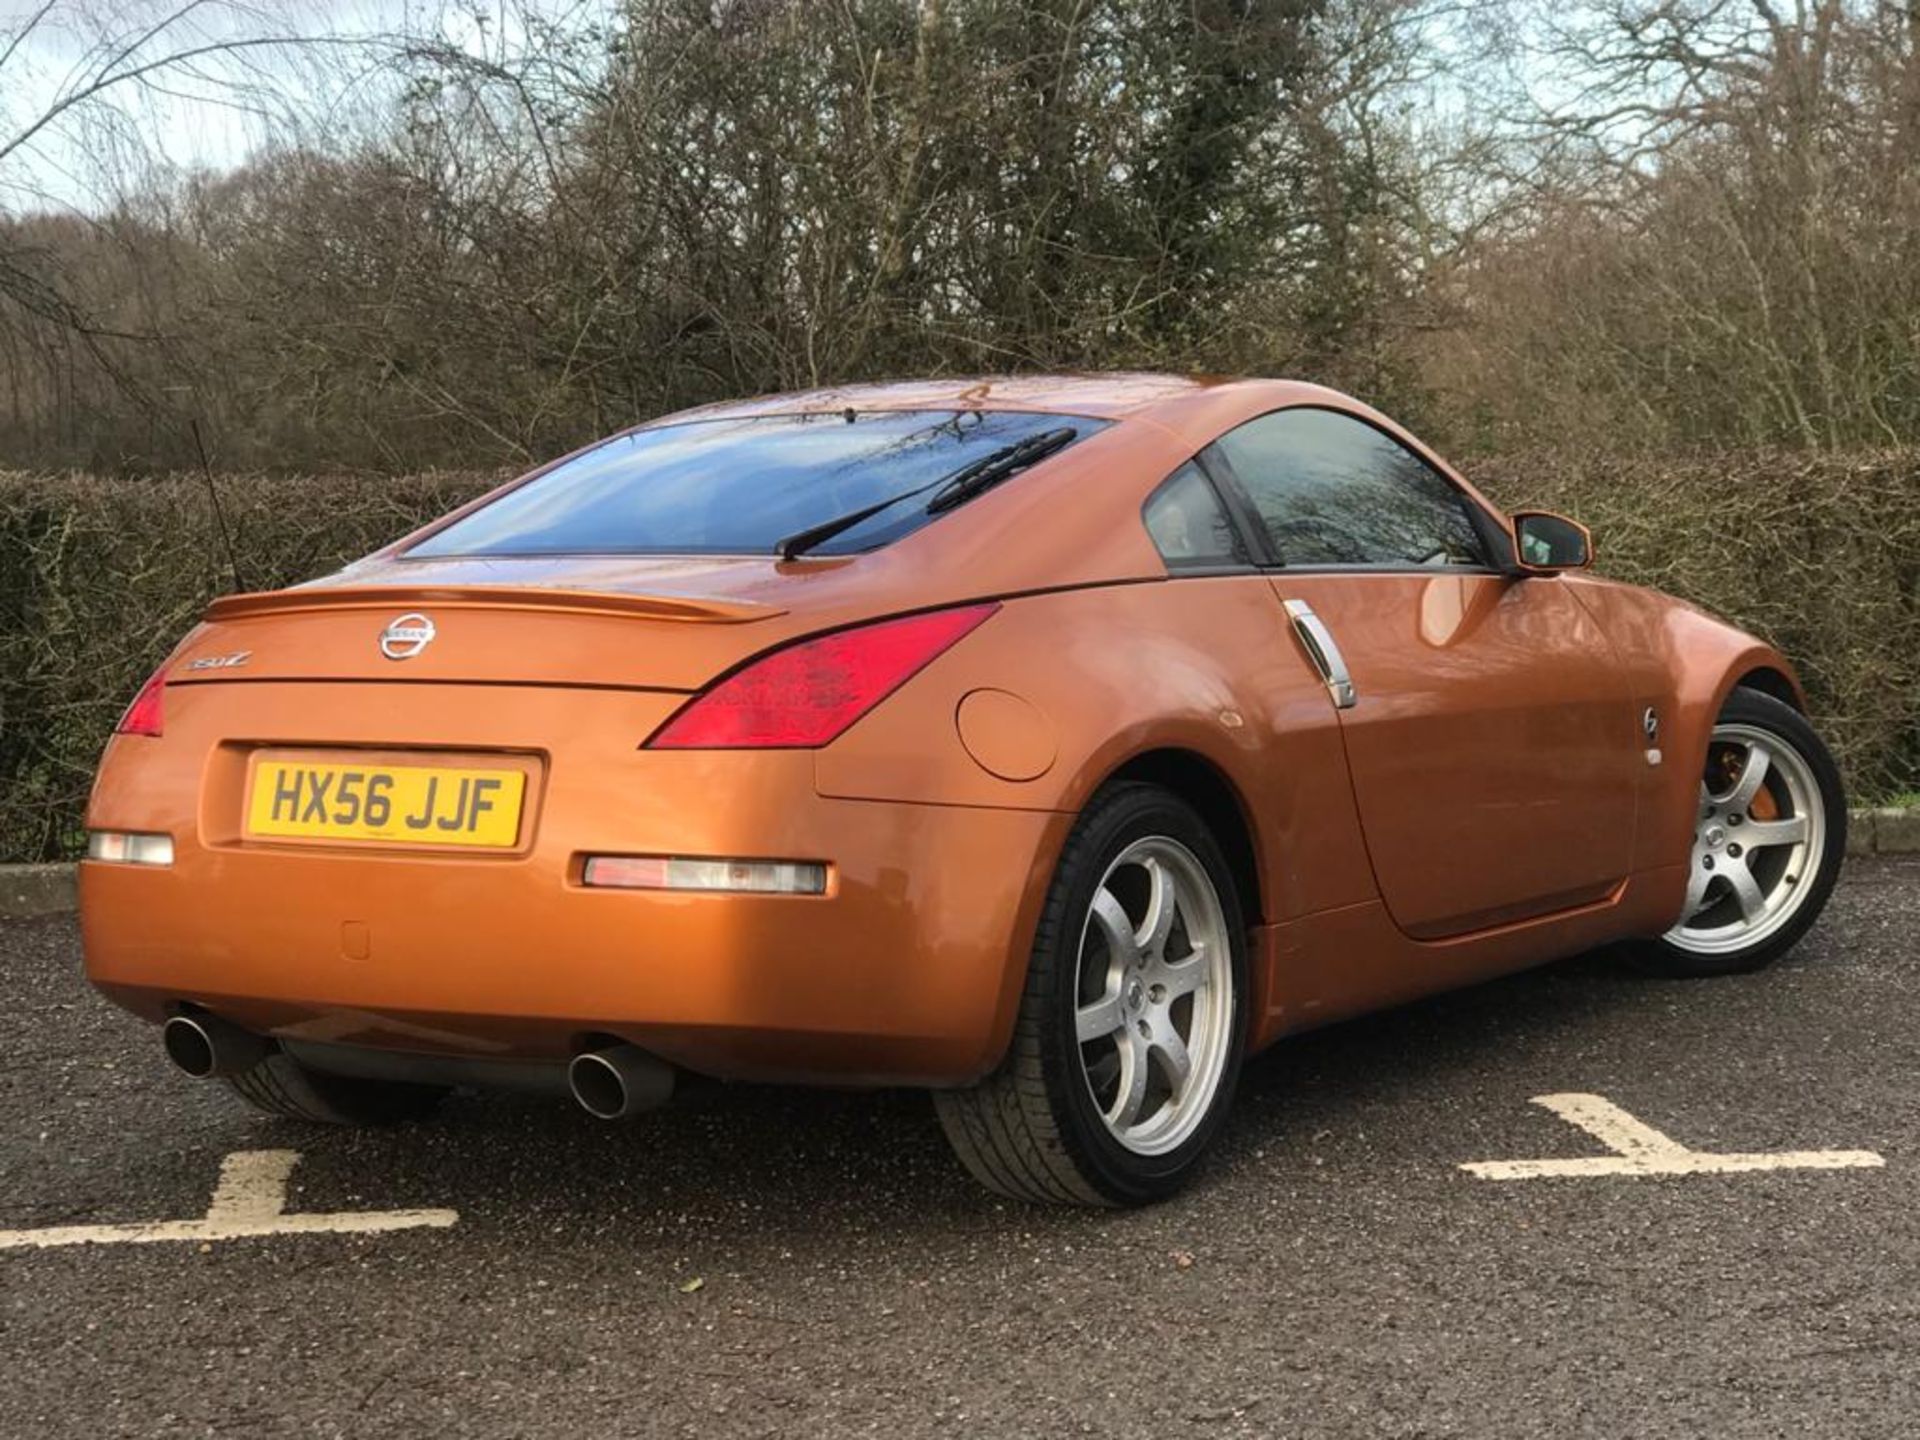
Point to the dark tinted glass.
(1187, 522)
(1550, 540)
(1332, 490)
(735, 487)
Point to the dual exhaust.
(205, 1046)
(619, 1081)
(613, 1082)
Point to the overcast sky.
(213, 111)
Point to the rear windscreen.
(739, 486)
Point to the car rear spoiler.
(691, 608)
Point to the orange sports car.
(1050, 743)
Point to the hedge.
(99, 577)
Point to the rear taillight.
(803, 696)
(144, 715)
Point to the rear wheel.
(1770, 834)
(282, 1086)
(1128, 1042)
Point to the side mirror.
(1544, 543)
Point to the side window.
(1332, 490)
(1186, 520)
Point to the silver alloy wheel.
(1154, 995)
(1758, 845)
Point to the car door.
(1491, 737)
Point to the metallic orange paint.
(1491, 801)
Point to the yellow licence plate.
(394, 804)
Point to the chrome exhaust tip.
(619, 1081)
(205, 1045)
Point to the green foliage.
(102, 577)
(1703, 228)
(1738, 263)
(716, 201)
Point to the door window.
(1332, 490)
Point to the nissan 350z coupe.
(1050, 743)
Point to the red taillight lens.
(803, 696)
(144, 715)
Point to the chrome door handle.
(1325, 655)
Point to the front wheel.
(1128, 1042)
(1769, 836)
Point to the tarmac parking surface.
(788, 1263)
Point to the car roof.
(1112, 396)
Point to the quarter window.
(1332, 490)
(1188, 523)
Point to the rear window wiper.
(983, 474)
(949, 490)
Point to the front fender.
(1683, 664)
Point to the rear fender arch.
(1207, 785)
(1170, 759)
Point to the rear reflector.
(144, 714)
(123, 847)
(803, 696)
(757, 877)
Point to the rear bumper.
(907, 971)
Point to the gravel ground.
(1334, 1273)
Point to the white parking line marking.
(251, 1199)
(1639, 1149)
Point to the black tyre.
(1128, 1043)
(282, 1086)
(1771, 835)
